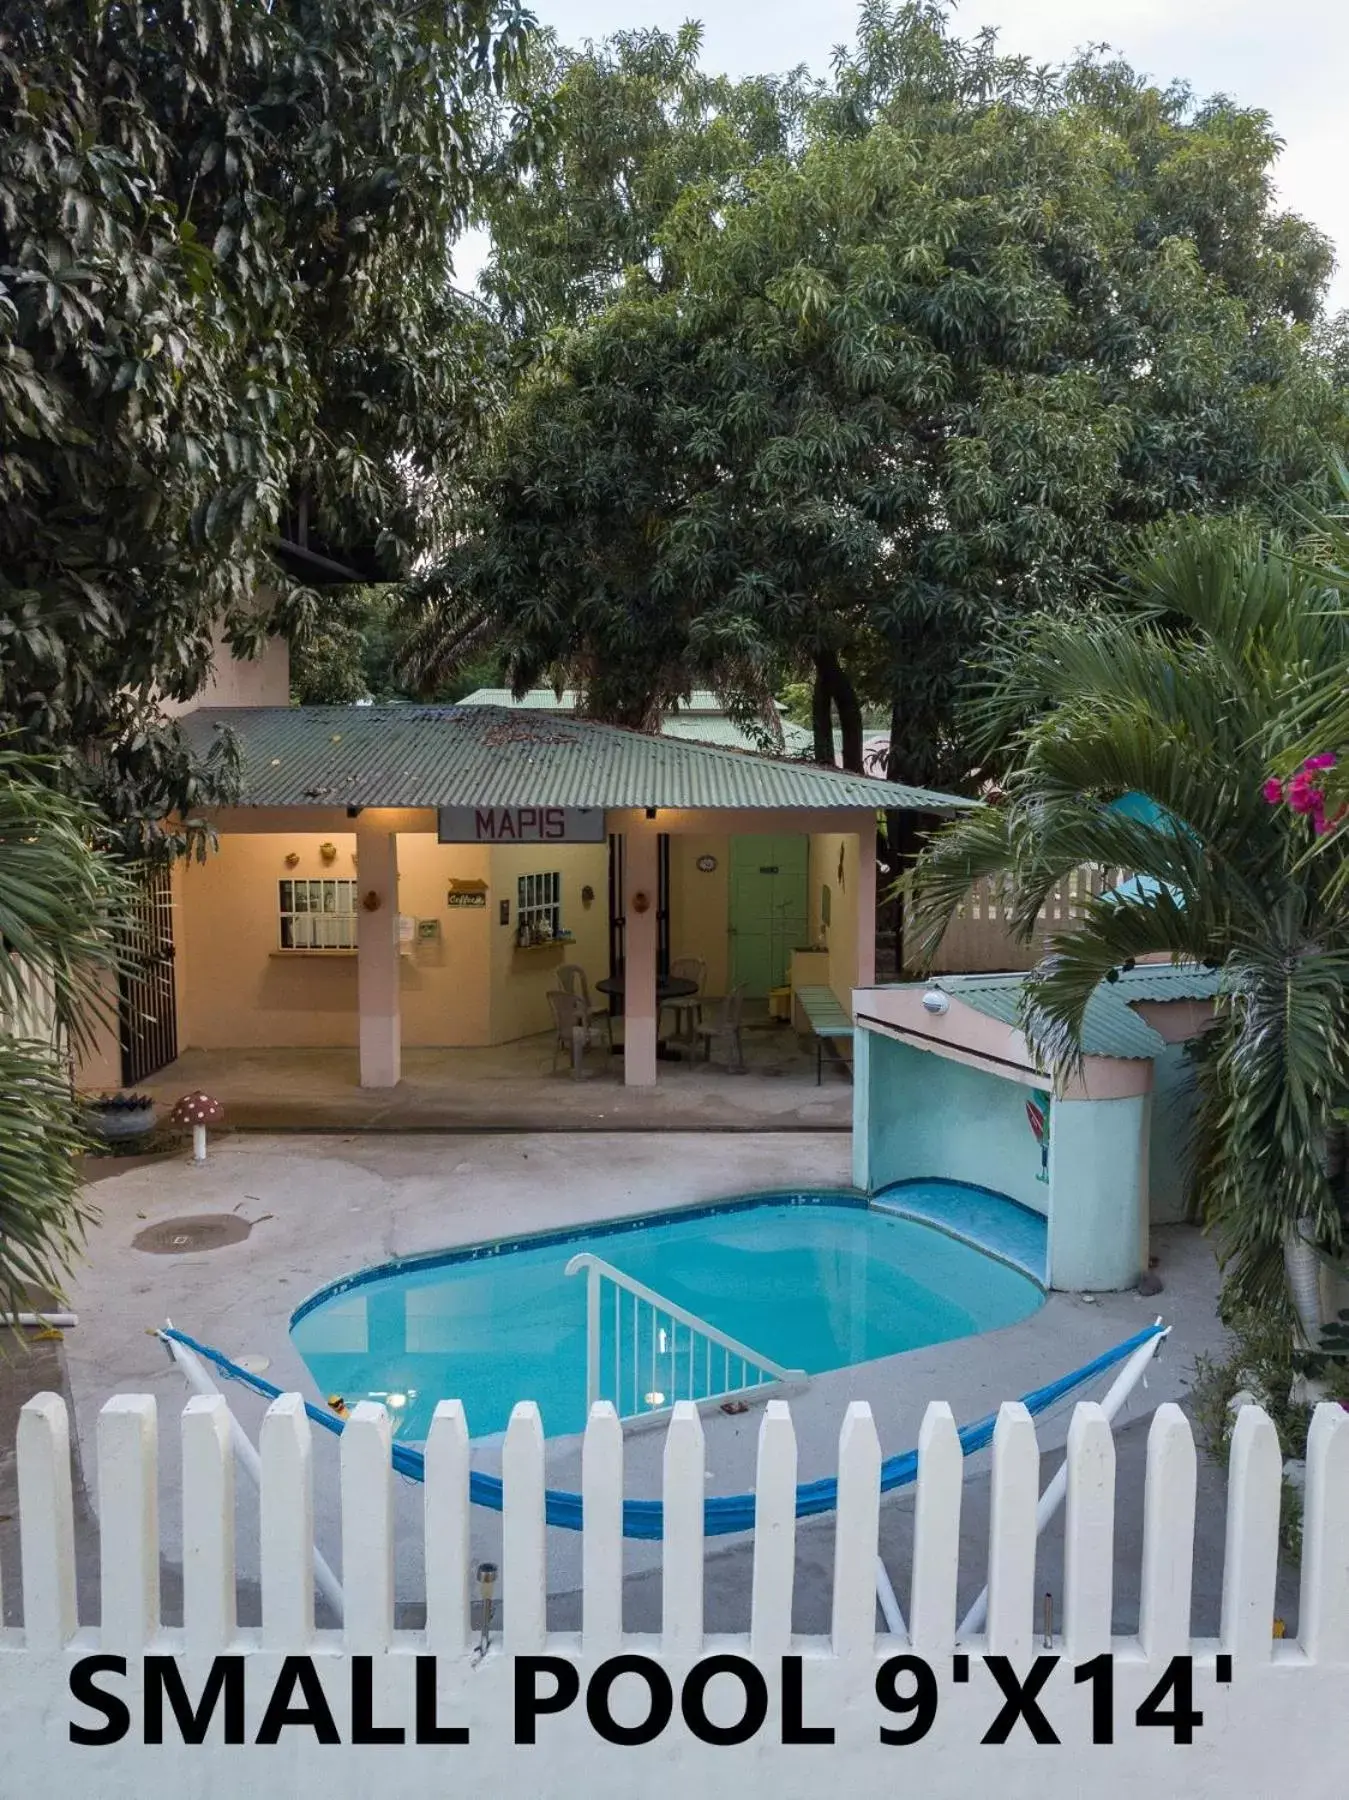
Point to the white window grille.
(538, 908)
(318, 915)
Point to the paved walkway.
(512, 1087)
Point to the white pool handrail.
(597, 1271)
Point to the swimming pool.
(814, 1281)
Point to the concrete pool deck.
(516, 1087)
(324, 1206)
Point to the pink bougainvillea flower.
(1326, 760)
(1273, 791)
(1302, 796)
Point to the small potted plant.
(115, 1116)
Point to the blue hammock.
(723, 1514)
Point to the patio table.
(668, 987)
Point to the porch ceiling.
(418, 756)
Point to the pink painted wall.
(236, 681)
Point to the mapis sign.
(521, 825)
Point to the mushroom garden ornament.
(198, 1111)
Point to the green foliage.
(1260, 1361)
(1184, 698)
(616, 133)
(224, 297)
(921, 360)
(61, 900)
(346, 653)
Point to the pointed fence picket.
(1085, 1627)
(128, 1455)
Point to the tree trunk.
(1304, 1287)
(822, 718)
(834, 691)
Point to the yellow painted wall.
(521, 979)
(98, 1067)
(470, 984)
(445, 991)
(840, 935)
(237, 990)
(700, 906)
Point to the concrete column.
(641, 875)
(866, 905)
(377, 962)
(863, 1076)
(1097, 1192)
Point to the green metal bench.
(828, 1021)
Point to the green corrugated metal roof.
(1111, 1027)
(701, 700)
(702, 717)
(713, 728)
(488, 756)
(1168, 981)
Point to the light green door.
(769, 909)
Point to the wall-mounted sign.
(707, 864)
(471, 898)
(1037, 1113)
(521, 825)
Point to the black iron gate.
(617, 919)
(147, 994)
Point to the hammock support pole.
(1052, 1498)
(247, 1457)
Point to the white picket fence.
(979, 937)
(1273, 1723)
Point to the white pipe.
(1052, 1498)
(60, 1321)
(324, 1579)
(888, 1601)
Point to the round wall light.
(934, 1001)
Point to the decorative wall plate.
(707, 864)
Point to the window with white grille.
(318, 915)
(538, 908)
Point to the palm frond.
(63, 903)
(43, 1212)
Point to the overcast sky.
(1291, 58)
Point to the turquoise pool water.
(811, 1281)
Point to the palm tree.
(1185, 694)
(60, 900)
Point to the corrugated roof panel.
(1110, 1026)
(1168, 981)
(702, 717)
(490, 756)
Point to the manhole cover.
(181, 1237)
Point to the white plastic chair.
(574, 1033)
(725, 1028)
(687, 1008)
(573, 979)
